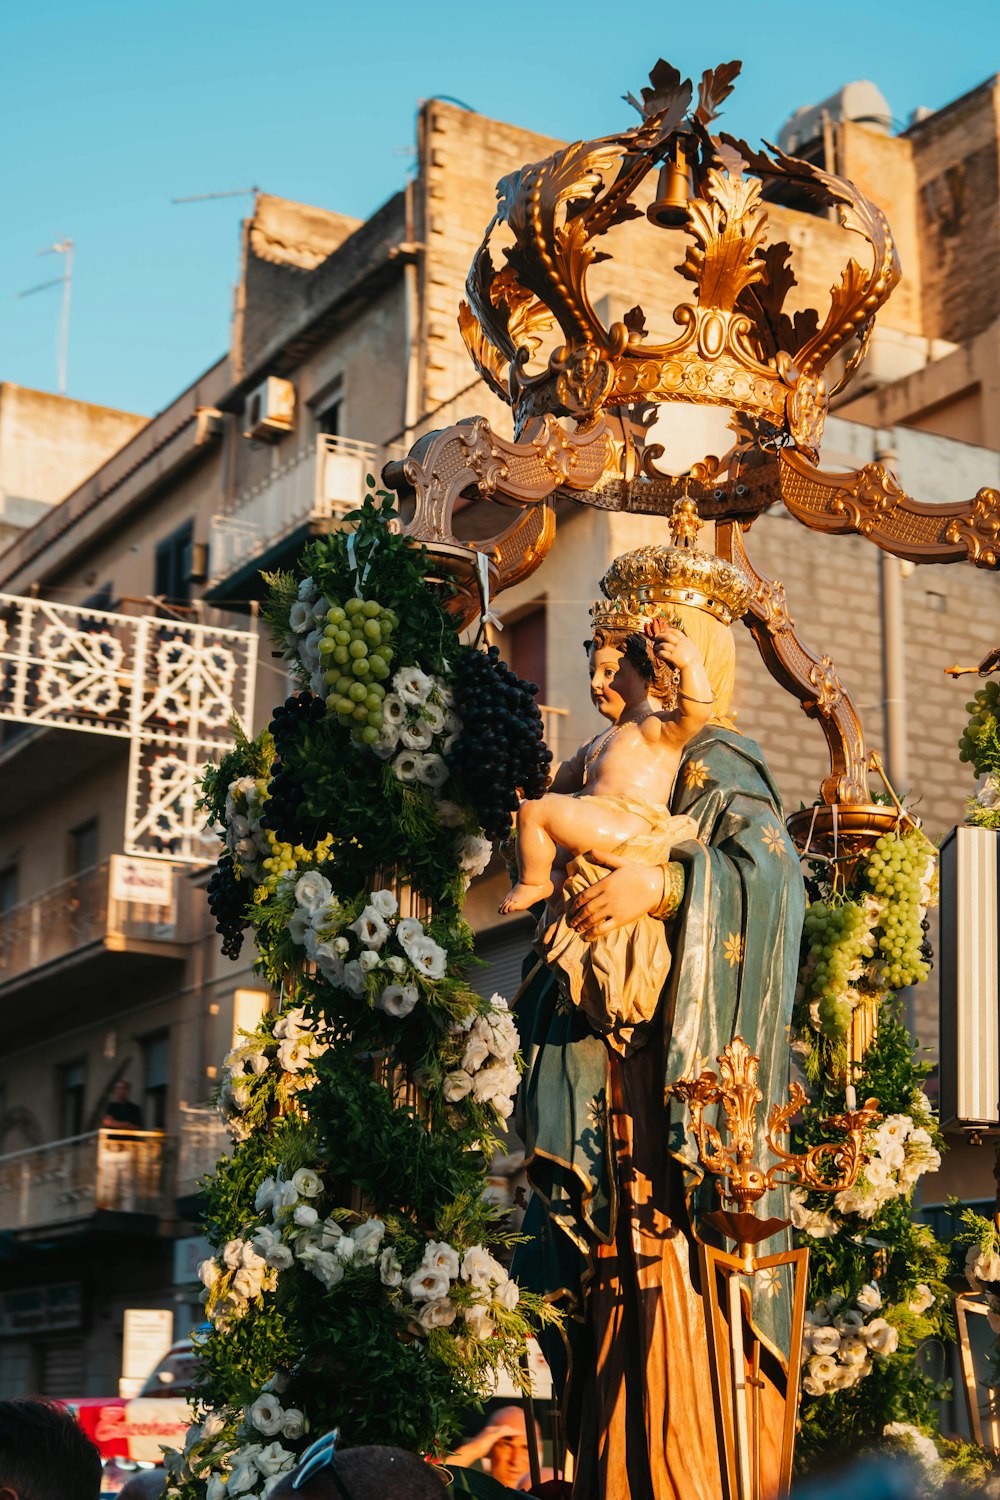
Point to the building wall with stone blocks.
(48, 445)
(957, 168)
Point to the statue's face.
(613, 682)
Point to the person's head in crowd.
(148, 1485)
(362, 1474)
(45, 1454)
(508, 1457)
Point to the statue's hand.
(629, 892)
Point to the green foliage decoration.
(359, 1275)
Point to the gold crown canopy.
(737, 347)
(641, 585)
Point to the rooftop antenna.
(230, 193)
(65, 249)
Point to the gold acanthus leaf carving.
(979, 530)
(729, 224)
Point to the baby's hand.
(672, 645)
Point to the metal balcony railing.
(550, 718)
(320, 481)
(111, 1171)
(204, 1138)
(106, 905)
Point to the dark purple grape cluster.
(283, 811)
(293, 716)
(500, 751)
(228, 898)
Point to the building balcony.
(84, 1178)
(90, 939)
(306, 494)
(204, 1138)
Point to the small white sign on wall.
(148, 1334)
(143, 882)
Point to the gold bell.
(674, 189)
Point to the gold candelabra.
(736, 1350)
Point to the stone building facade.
(345, 348)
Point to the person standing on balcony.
(116, 1184)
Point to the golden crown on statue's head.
(737, 347)
(642, 585)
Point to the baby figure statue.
(616, 789)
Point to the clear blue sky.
(109, 108)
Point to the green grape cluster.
(836, 936)
(356, 654)
(979, 744)
(894, 870)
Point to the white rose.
(232, 1254)
(922, 1299)
(389, 1269)
(215, 1489)
(385, 746)
(307, 1183)
(432, 770)
(457, 1085)
(300, 617)
(881, 1338)
(369, 1232)
(417, 736)
(290, 1024)
(479, 1268)
(508, 1294)
(300, 925)
(413, 686)
(368, 960)
(393, 710)
(266, 1415)
(850, 1321)
(305, 1215)
(442, 1257)
(404, 767)
(396, 964)
(371, 928)
(869, 1298)
(385, 903)
(429, 957)
(822, 1368)
(284, 1196)
(398, 999)
(478, 1322)
(209, 1272)
(985, 1264)
(408, 930)
(294, 1423)
(824, 1340)
(433, 715)
(274, 1459)
(279, 1257)
(324, 1265)
(264, 1194)
(313, 891)
(427, 1284)
(477, 1049)
(296, 1055)
(474, 854)
(438, 1313)
(354, 977)
(241, 1478)
(247, 1284)
(853, 1351)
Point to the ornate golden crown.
(641, 585)
(737, 347)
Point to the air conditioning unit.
(270, 410)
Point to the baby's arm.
(695, 699)
(568, 776)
